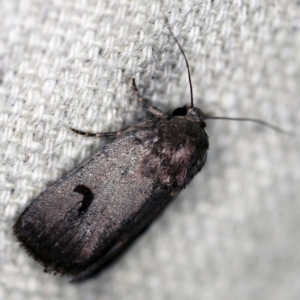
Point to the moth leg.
(99, 134)
(155, 111)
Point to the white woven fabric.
(234, 232)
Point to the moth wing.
(87, 216)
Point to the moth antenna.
(258, 121)
(186, 61)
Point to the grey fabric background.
(234, 233)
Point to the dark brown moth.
(85, 219)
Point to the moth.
(85, 219)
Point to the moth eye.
(88, 197)
(180, 111)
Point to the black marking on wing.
(88, 197)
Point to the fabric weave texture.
(234, 232)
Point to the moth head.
(192, 113)
(180, 111)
